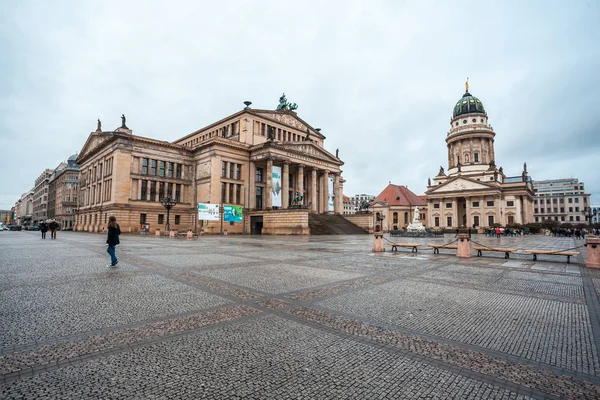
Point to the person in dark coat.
(113, 240)
(53, 227)
(43, 229)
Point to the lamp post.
(168, 203)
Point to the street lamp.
(589, 213)
(168, 203)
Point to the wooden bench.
(499, 249)
(437, 247)
(552, 253)
(396, 245)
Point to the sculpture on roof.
(428, 181)
(441, 171)
(270, 134)
(524, 167)
(308, 139)
(337, 152)
(99, 128)
(123, 122)
(284, 105)
(364, 205)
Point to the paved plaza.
(321, 317)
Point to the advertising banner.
(276, 186)
(232, 213)
(330, 197)
(208, 212)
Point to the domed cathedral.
(474, 192)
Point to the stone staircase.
(331, 224)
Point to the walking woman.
(113, 240)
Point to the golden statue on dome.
(467, 84)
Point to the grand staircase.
(331, 224)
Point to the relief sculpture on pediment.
(288, 120)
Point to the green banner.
(232, 213)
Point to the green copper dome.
(468, 104)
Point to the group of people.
(574, 233)
(52, 226)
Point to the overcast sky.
(380, 78)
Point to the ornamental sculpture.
(284, 105)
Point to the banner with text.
(330, 198)
(232, 213)
(276, 186)
(208, 212)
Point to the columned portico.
(468, 217)
(326, 191)
(269, 181)
(300, 181)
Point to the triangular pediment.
(93, 141)
(459, 184)
(311, 150)
(288, 118)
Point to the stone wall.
(362, 220)
(285, 222)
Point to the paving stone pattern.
(293, 317)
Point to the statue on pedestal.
(99, 128)
(123, 122)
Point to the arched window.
(476, 157)
(406, 218)
(395, 218)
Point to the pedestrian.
(53, 227)
(112, 240)
(43, 229)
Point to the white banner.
(276, 186)
(208, 212)
(330, 199)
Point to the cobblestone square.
(293, 317)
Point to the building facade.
(397, 204)
(595, 214)
(474, 192)
(63, 190)
(24, 209)
(270, 163)
(561, 200)
(358, 199)
(40, 196)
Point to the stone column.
(338, 200)
(468, 212)
(313, 190)
(285, 185)
(340, 195)
(300, 183)
(252, 186)
(268, 184)
(455, 213)
(326, 191)
(498, 210)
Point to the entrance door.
(256, 225)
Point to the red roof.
(346, 199)
(396, 195)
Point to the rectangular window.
(576, 199)
(223, 191)
(153, 167)
(562, 218)
(436, 205)
(178, 193)
(161, 168)
(535, 210)
(223, 169)
(490, 203)
(231, 166)
(476, 220)
(238, 171)
(449, 221)
(161, 190)
(153, 191)
(170, 170)
(178, 171)
(259, 174)
(142, 218)
(448, 205)
(570, 218)
(547, 201)
(576, 209)
(577, 218)
(555, 209)
(231, 188)
(177, 219)
(476, 157)
(490, 220)
(144, 191)
(475, 204)
(161, 218)
(437, 221)
(570, 200)
(510, 203)
(570, 209)
(562, 201)
(535, 202)
(536, 219)
(259, 196)
(169, 190)
(554, 201)
(238, 192)
(562, 209)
